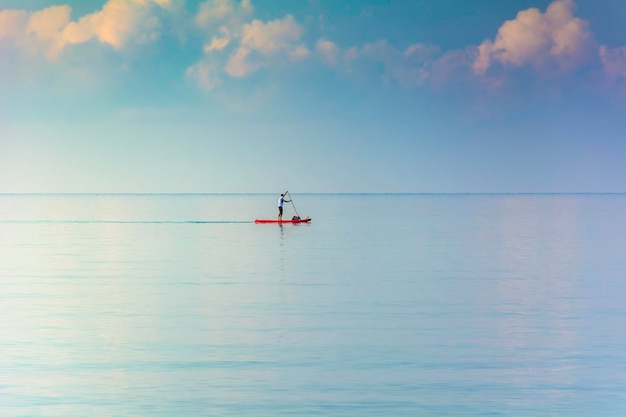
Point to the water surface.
(398, 305)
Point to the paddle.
(291, 199)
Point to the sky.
(255, 96)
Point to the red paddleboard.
(306, 220)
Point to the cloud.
(233, 44)
(239, 65)
(222, 21)
(256, 45)
(120, 22)
(36, 32)
(328, 51)
(263, 43)
(538, 39)
(205, 74)
(550, 41)
(299, 53)
(50, 30)
(47, 23)
(13, 23)
(614, 62)
(452, 66)
(276, 36)
(237, 48)
(409, 67)
(220, 12)
(217, 44)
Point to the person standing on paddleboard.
(282, 200)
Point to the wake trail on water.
(126, 221)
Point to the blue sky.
(312, 96)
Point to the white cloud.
(538, 39)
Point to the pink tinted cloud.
(50, 30)
(13, 23)
(36, 32)
(539, 39)
(614, 62)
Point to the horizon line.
(309, 193)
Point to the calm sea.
(384, 305)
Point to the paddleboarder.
(282, 200)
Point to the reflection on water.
(180, 305)
(537, 296)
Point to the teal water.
(385, 305)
